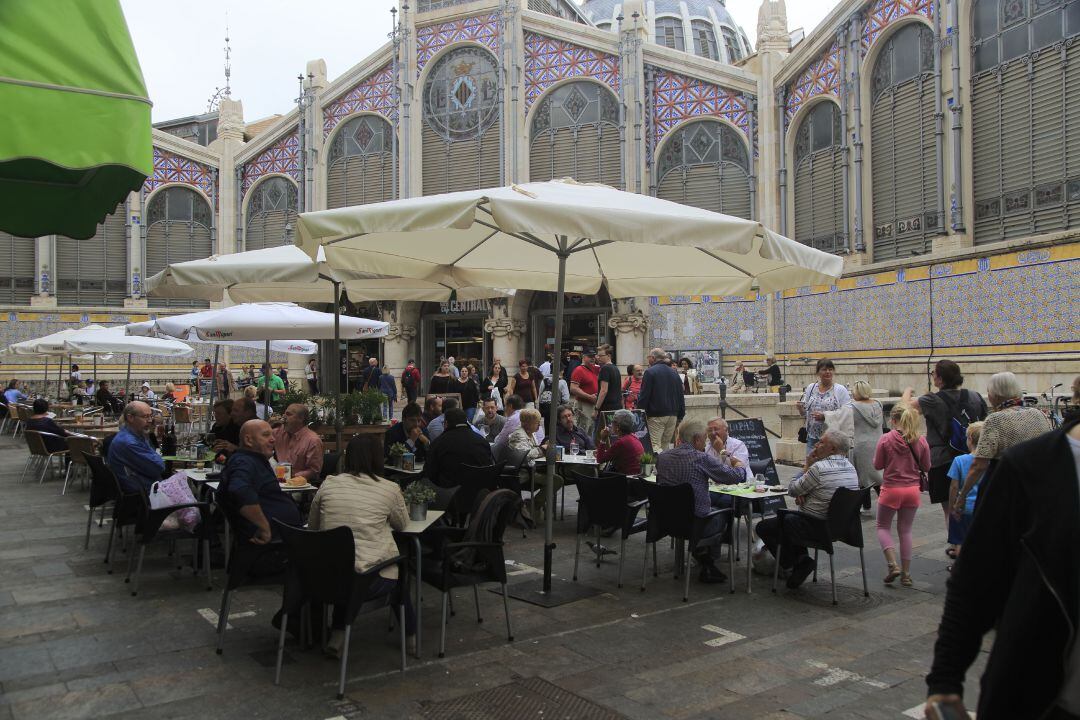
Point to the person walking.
(523, 384)
(948, 412)
(369, 376)
(442, 381)
(821, 397)
(867, 415)
(388, 387)
(662, 400)
(609, 391)
(1017, 576)
(631, 387)
(467, 387)
(903, 456)
(311, 374)
(410, 381)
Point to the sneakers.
(800, 572)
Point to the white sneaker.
(336, 643)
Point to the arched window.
(731, 42)
(704, 40)
(94, 271)
(271, 214)
(1024, 118)
(706, 164)
(819, 180)
(461, 123)
(360, 163)
(178, 223)
(18, 273)
(669, 33)
(903, 145)
(575, 133)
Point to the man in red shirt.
(410, 381)
(584, 384)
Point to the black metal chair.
(148, 530)
(472, 555)
(671, 514)
(126, 506)
(474, 482)
(842, 524)
(103, 490)
(605, 502)
(322, 570)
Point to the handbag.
(924, 480)
(174, 491)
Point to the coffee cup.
(590, 454)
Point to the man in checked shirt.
(687, 463)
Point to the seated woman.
(620, 446)
(78, 393)
(372, 508)
(524, 438)
(170, 393)
(41, 422)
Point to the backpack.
(544, 401)
(955, 433)
(407, 379)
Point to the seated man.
(222, 419)
(625, 451)
(432, 409)
(728, 447)
(458, 445)
(229, 438)
(687, 463)
(409, 433)
(828, 469)
(297, 444)
(490, 421)
(133, 461)
(437, 425)
(41, 422)
(106, 400)
(567, 432)
(251, 485)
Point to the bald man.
(295, 443)
(136, 465)
(249, 483)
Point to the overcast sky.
(180, 45)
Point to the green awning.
(74, 116)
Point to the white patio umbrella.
(566, 237)
(53, 345)
(97, 339)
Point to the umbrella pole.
(553, 414)
(213, 386)
(59, 376)
(127, 380)
(45, 385)
(266, 383)
(97, 380)
(337, 366)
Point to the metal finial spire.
(223, 92)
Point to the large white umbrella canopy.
(52, 344)
(563, 236)
(149, 328)
(510, 237)
(287, 273)
(116, 340)
(267, 321)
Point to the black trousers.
(795, 527)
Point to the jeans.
(715, 526)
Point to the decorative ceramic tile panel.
(374, 93)
(736, 326)
(679, 97)
(430, 39)
(821, 77)
(172, 168)
(884, 12)
(547, 61)
(281, 157)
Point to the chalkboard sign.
(752, 432)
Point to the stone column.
(396, 350)
(229, 142)
(44, 272)
(631, 328)
(506, 334)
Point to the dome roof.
(605, 10)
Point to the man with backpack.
(948, 412)
(410, 381)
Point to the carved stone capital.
(504, 328)
(634, 323)
(401, 331)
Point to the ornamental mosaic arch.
(282, 157)
(430, 39)
(548, 61)
(172, 168)
(821, 77)
(885, 12)
(374, 93)
(679, 97)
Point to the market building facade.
(929, 142)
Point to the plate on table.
(294, 488)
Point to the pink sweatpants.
(903, 525)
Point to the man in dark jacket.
(662, 400)
(458, 444)
(1019, 574)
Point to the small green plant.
(647, 459)
(369, 407)
(419, 493)
(398, 449)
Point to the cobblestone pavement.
(75, 644)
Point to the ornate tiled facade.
(430, 39)
(821, 77)
(374, 93)
(680, 97)
(172, 168)
(281, 157)
(1013, 302)
(547, 61)
(884, 12)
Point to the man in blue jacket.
(662, 400)
(135, 464)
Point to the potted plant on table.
(648, 464)
(417, 496)
(396, 451)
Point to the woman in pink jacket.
(902, 455)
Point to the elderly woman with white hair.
(620, 446)
(525, 438)
(1009, 423)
